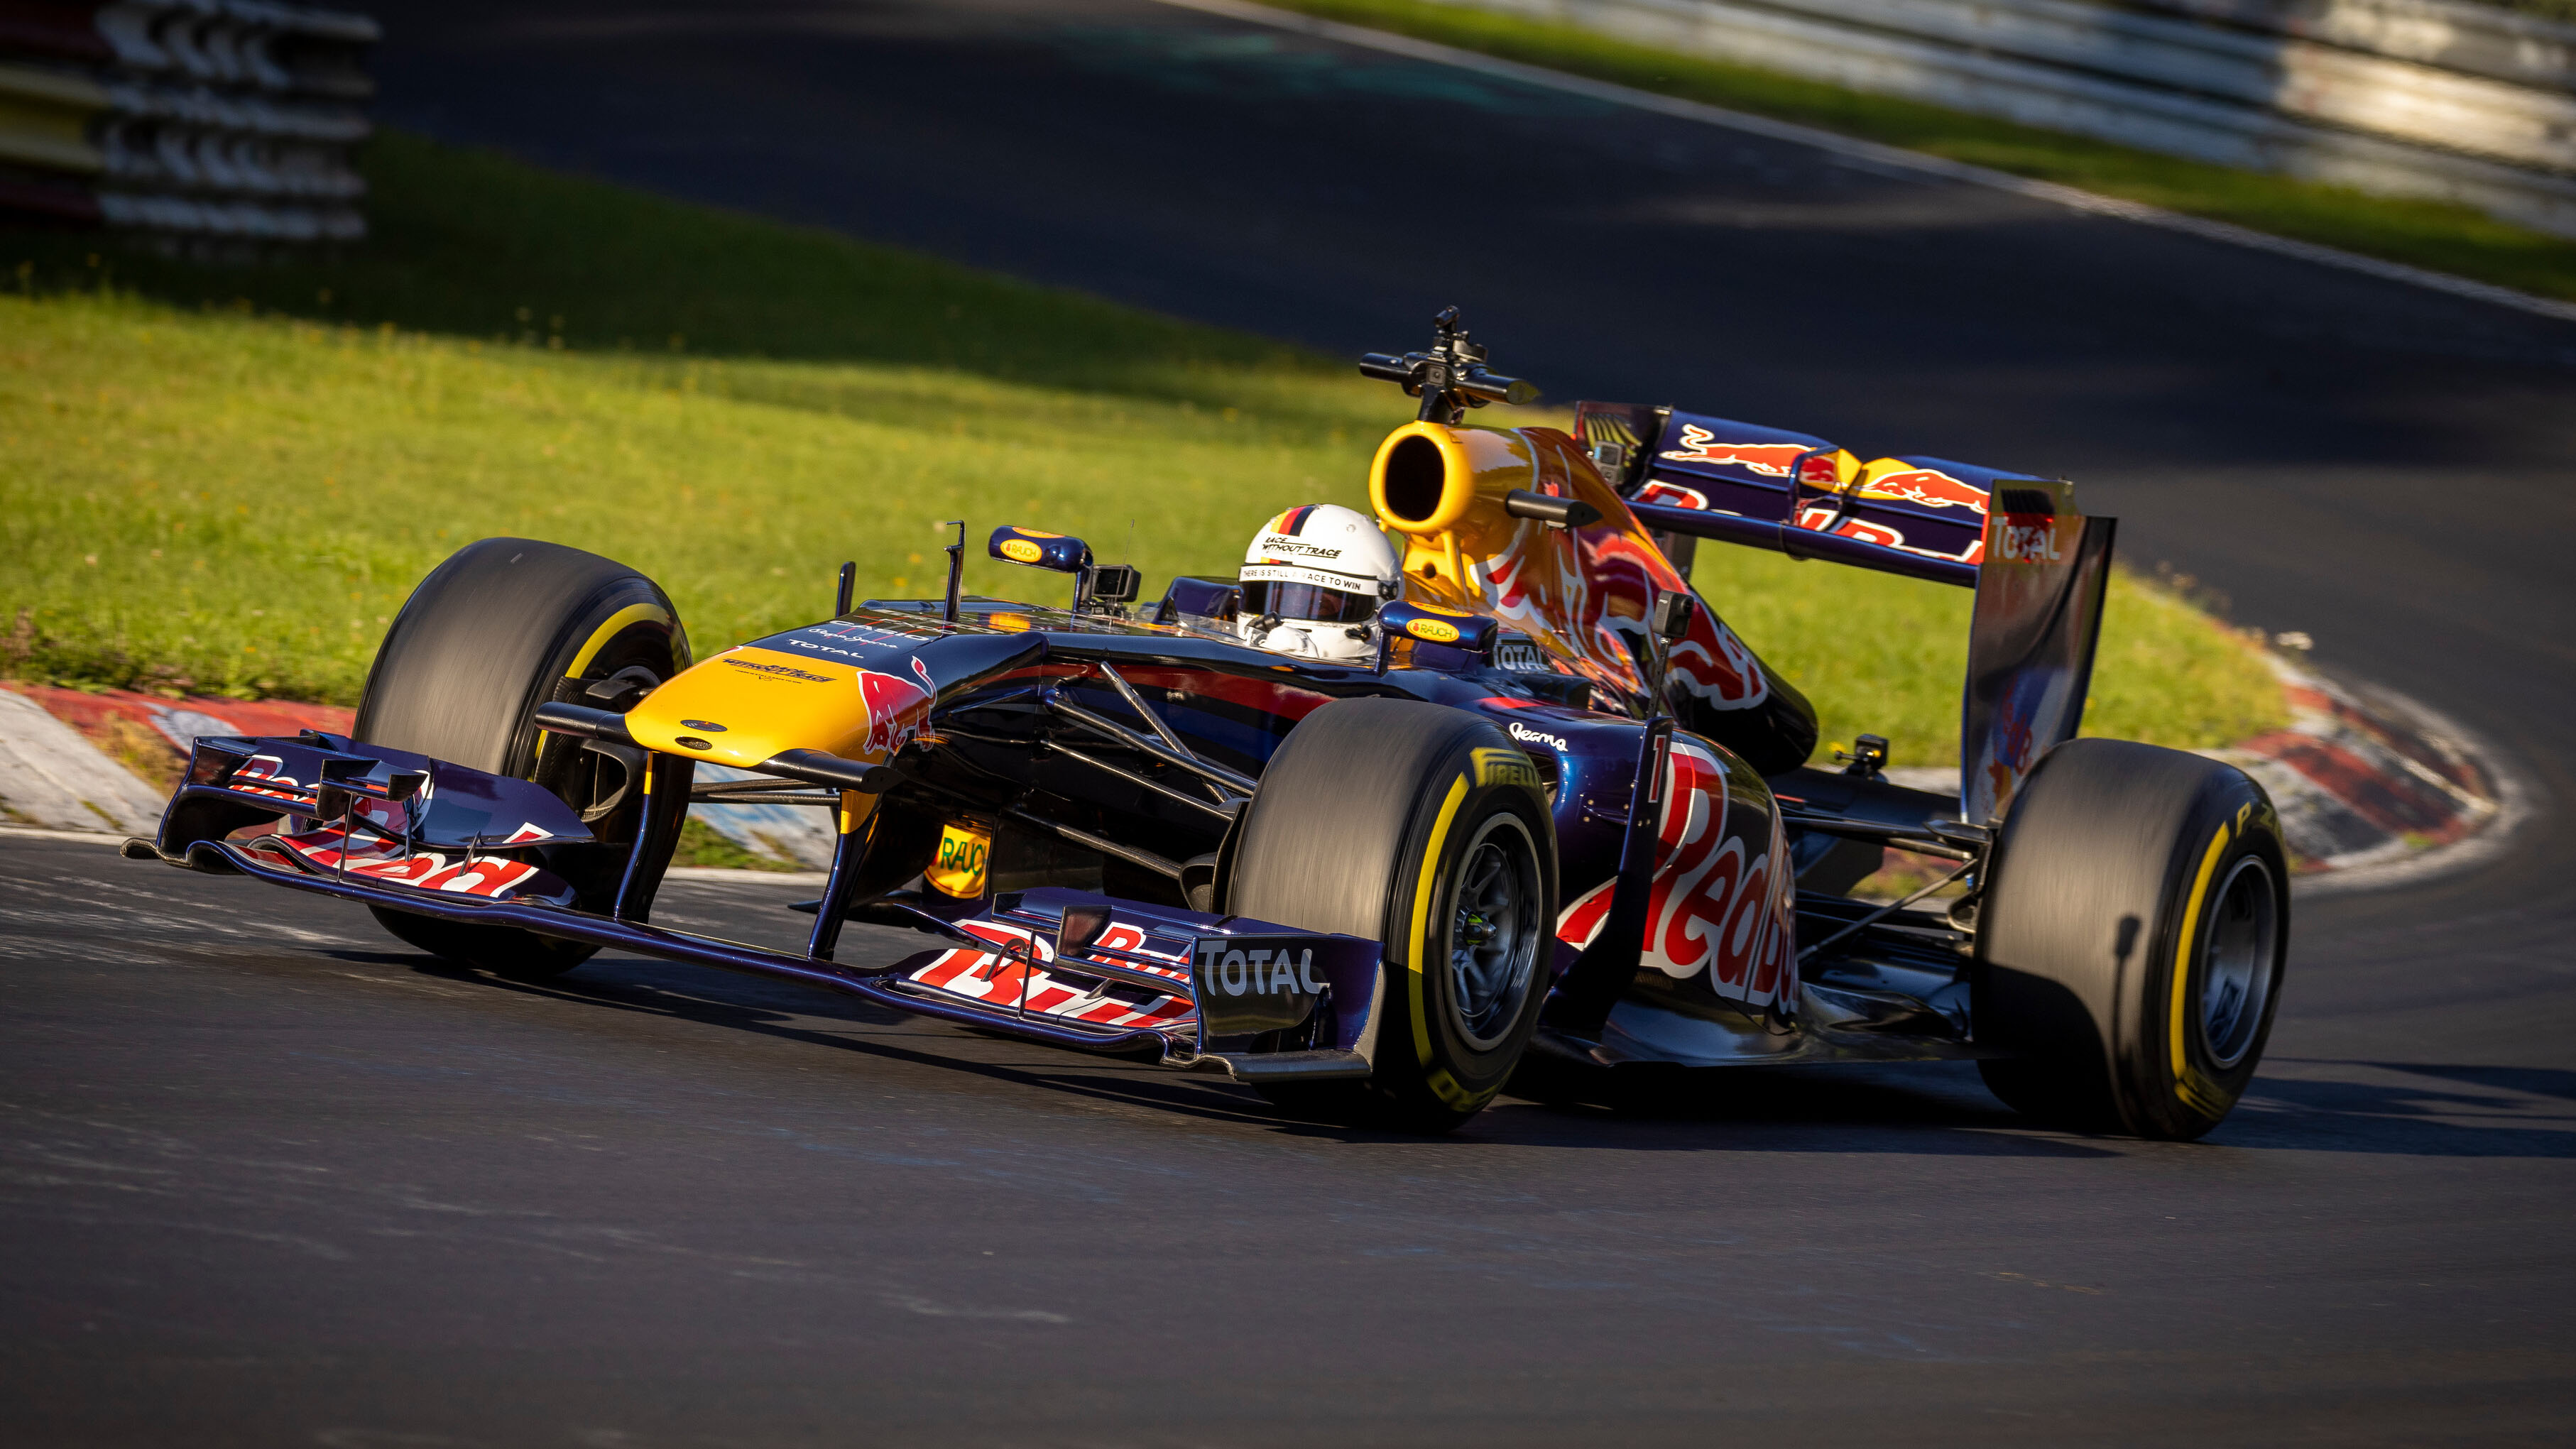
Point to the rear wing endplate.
(2031, 639)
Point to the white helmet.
(1312, 581)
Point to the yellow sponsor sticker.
(958, 869)
(1022, 550)
(1432, 631)
(1507, 767)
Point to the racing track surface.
(267, 1179)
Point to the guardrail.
(231, 118)
(2426, 98)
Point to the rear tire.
(1376, 814)
(2131, 940)
(480, 644)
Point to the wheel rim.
(2236, 967)
(1494, 931)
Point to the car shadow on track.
(1911, 1108)
(2396, 1109)
(2416, 1109)
(1915, 1108)
(1936, 1110)
(785, 1012)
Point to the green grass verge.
(2434, 235)
(701, 845)
(228, 478)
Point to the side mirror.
(1060, 552)
(1093, 584)
(1430, 624)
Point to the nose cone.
(746, 705)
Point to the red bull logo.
(1929, 487)
(1004, 977)
(897, 708)
(1721, 891)
(1771, 460)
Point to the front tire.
(1425, 828)
(2131, 940)
(483, 641)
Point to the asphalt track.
(266, 1178)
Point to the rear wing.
(2038, 565)
(1791, 493)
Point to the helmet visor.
(1306, 601)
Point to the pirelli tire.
(2131, 940)
(1426, 828)
(486, 638)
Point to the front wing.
(393, 830)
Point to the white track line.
(1890, 158)
(84, 837)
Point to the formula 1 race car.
(1555, 818)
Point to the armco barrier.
(2424, 98)
(214, 117)
(2470, 39)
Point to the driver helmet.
(1312, 581)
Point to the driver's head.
(1312, 581)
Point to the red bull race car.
(1530, 810)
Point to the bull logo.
(897, 708)
(1928, 488)
(1770, 460)
(1584, 593)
